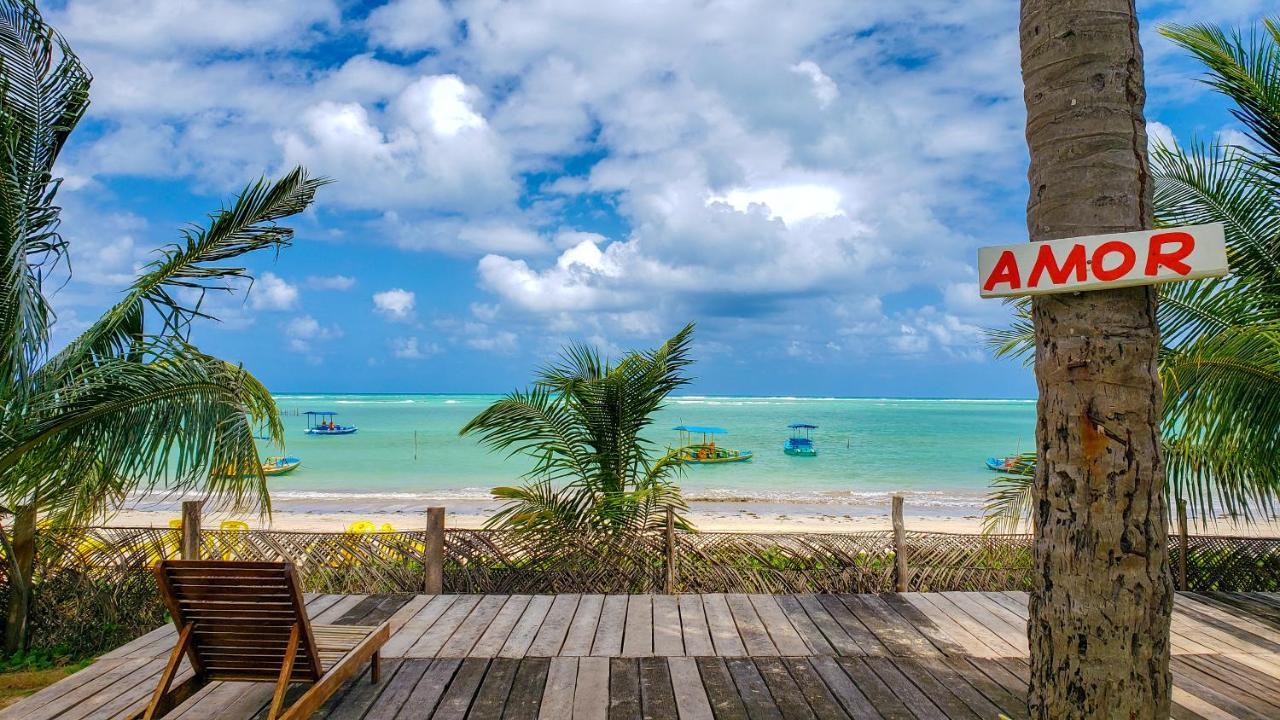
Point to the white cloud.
(824, 88)
(407, 348)
(331, 282)
(502, 342)
(1158, 132)
(395, 304)
(304, 331)
(272, 292)
(410, 25)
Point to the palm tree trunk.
(21, 567)
(1099, 611)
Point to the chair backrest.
(241, 616)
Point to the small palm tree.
(581, 422)
(1220, 338)
(131, 403)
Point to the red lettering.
(1005, 271)
(1058, 274)
(1157, 257)
(1127, 260)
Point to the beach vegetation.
(582, 422)
(1219, 359)
(130, 403)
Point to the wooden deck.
(910, 655)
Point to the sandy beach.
(707, 517)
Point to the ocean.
(407, 453)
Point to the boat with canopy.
(800, 444)
(280, 464)
(320, 422)
(705, 452)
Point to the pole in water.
(415, 444)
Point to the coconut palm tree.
(582, 423)
(1220, 354)
(131, 403)
(1099, 485)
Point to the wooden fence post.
(434, 581)
(1182, 544)
(190, 549)
(671, 551)
(21, 593)
(899, 547)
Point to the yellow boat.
(279, 465)
(706, 452)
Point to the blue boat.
(800, 444)
(320, 422)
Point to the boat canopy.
(806, 426)
(703, 429)
(320, 412)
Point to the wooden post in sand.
(670, 586)
(899, 547)
(434, 581)
(190, 548)
(1182, 544)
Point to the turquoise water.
(933, 450)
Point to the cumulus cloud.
(272, 292)
(395, 304)
(408, 348)
(304, 331)
(331, 282)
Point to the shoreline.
(706, 517)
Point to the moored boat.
(320, 422)
(280, 464)
(800, 444)
(706, 452)
(1002, 464)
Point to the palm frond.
(1009, 502)
(43, 94)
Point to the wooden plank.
(353, 701)
(582, 629)
(1237, 625)
(46, 694)
(338, 609)
(637, 638)
(880, 695)
(554, 627)
(783, 635)
(438, 634)
(852, 626)
(1202, 710)
(1264, 703)
(850, 696)
(813, 638)
(495, 636)
(1014, 634)
(667, 635)
(472, 626)
(1224, 698)
(722, 694)
(981, 634)
(407, 611)
(686, 685)
(693, 626)
(752, 689)
(724, 631)
(491, 699)
(943, 697)
(888, 627)
(457, 698)
(786, 694)
(754, 636)
(840, 641)
(1230, 670)
(557, 698)
(414, 627)
(612, 625)
(657, 699)
(525, 700)
(591, 693)
(526, 628)
(1014, 706)
(814, 690)
(624, 689)
(924, 625)
(399, 683)
(129, 672)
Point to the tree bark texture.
(1102, 596)
(18, 622)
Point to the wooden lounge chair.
(247, 621)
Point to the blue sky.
(806, 181)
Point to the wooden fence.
(94, 588)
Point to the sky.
(807, 181)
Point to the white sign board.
(1103, 261)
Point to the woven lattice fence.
(95, 590)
